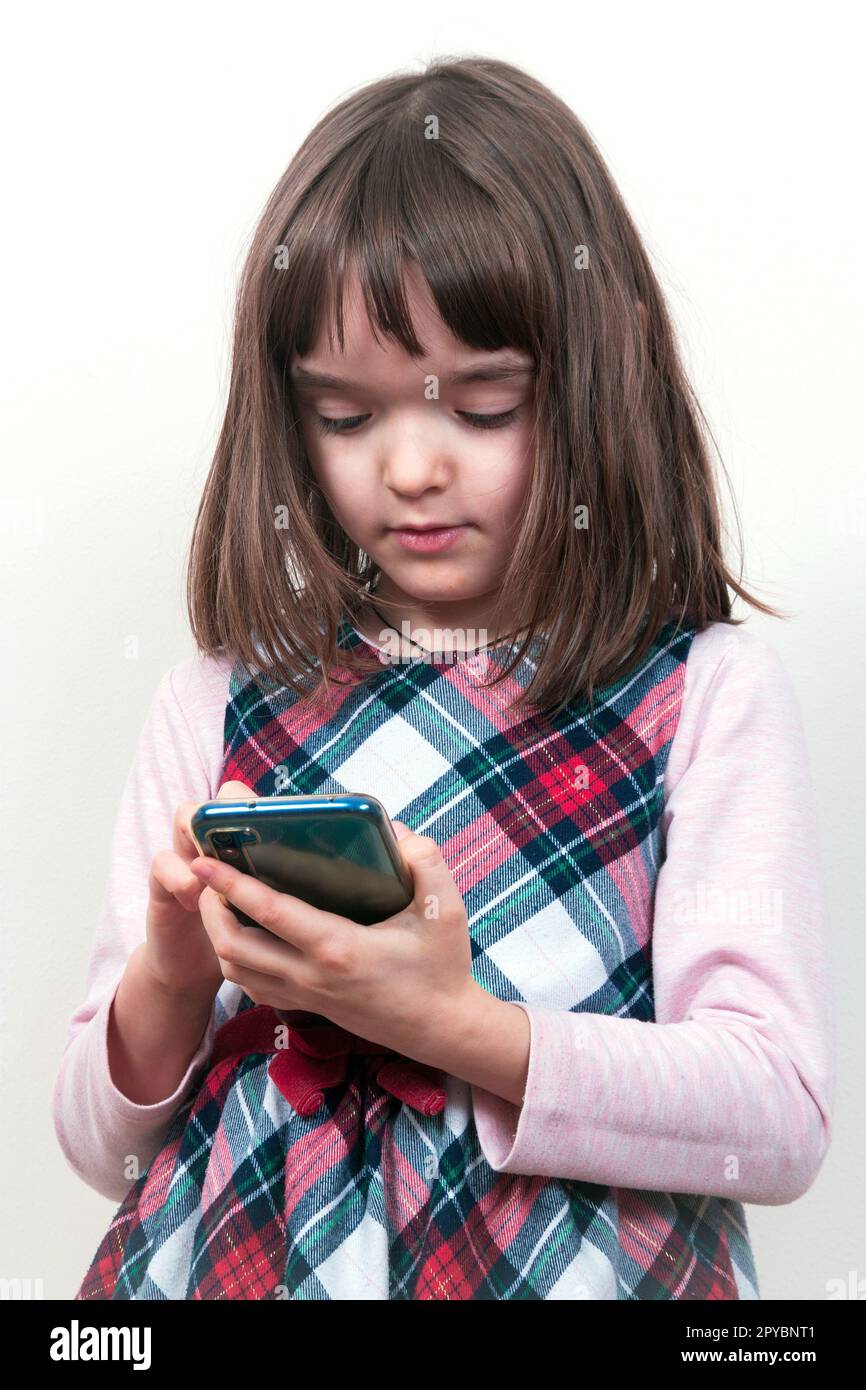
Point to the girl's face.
(398, 443)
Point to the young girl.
(462, 554)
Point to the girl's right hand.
(178, 952)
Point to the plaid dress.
(549, 825)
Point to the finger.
(290, 918)
(184, 841)
(262, 988)
(242, 945)
(171, 881)
(234, 791)
(436, 894)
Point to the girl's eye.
(490, 422)
(328, 426)
(479, 422)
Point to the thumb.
(234, 791)
(436, 893)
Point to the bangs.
(487, 200)
(399, 198)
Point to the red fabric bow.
(316, 1057)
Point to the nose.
(415, 458)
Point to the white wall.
(139, 146)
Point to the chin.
(436, 578)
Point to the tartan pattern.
(368, 1198)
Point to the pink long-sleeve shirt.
(742, 1051)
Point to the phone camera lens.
(223, 839)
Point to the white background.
(139, 146)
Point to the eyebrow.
(307, 380)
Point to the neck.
(432, 625)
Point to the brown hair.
(489, 183)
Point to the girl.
(460, 549)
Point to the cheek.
(345, 493)
(513, 471)
(524, 459)
(324, 468)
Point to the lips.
(428, 538)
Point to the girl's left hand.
(396, 983)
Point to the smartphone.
(338, 853)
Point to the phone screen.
(337, 861)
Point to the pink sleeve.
(178, 758)
(729, 1092)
